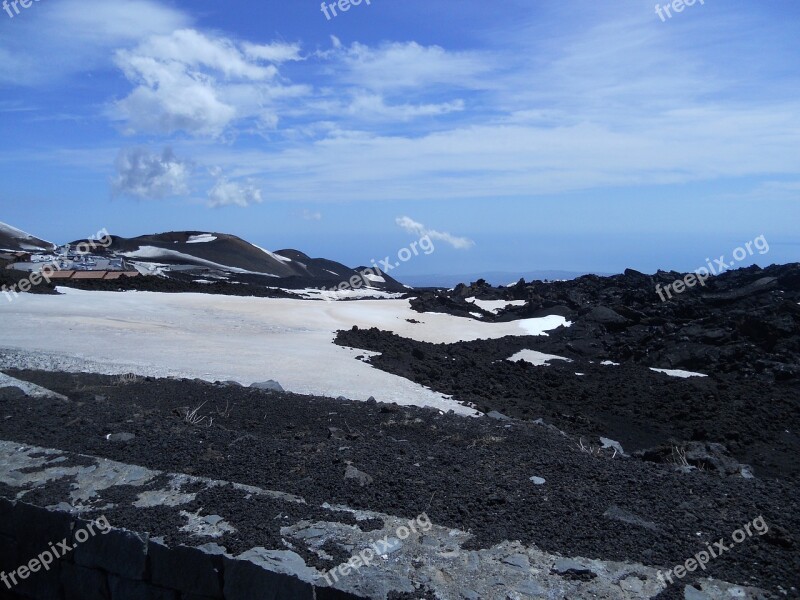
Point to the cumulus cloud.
(143, 174)
(418, 229)
(193, 82)
(233, 193)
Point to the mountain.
(16, 240)
(213, 256)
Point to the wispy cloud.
(418, 229)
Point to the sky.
(519, 135)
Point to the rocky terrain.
(610, 449)
(742, 332)
(501, 481)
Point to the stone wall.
(124, 565)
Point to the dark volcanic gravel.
(473, 474)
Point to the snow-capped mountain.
(211, 256)
(16, 240)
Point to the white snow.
(244, 339)
(348, 294)
(540, 325)
(536, 358)
(154, 252)
(374, 278)
(495, 306)
(678, 373)
(609, 363)
(201, 239)
(272, 254)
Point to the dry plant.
(679, 456)
(193, 418)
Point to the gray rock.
(281, 572)
(520, 561)
(632, 584)
(605, 316)
(493, 414)
(609, 443)
(615, 513)
(11, 393)
(532, 589)
(362, 478)
(570, 567)
(120, 437)
(271, 386)
(692, 593)
(538, 480)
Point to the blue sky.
(527, 135)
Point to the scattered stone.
(538, 480)
(609, 443)
(271, 386)
(493, 414)
(572, 569)
(120, 437)
(616, 513)
(362, 478)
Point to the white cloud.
(73, 36)
(277, 52)
(150, 176)
(373, 107)
(189, 81)
(411, 65)
(233, 193)
(418, 229)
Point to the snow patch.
(201, 239)
(494, 306)
(678, 373)
(536, 358)
(374, 278)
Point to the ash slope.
(471, 474)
